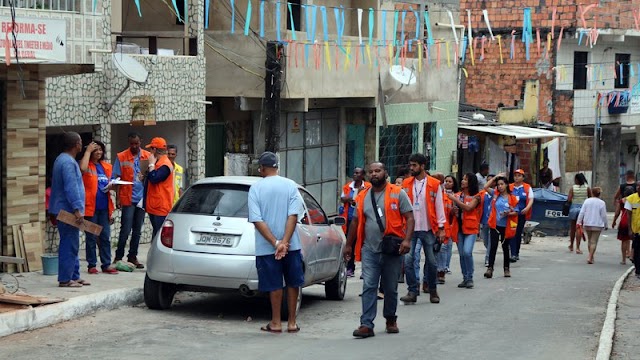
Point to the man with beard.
(383, 227)
(428, 209)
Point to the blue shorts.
(271, 272)
(574, 211)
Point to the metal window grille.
(397, 143)
(53, 5)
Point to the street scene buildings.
(327, 85)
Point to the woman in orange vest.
(468, 222)
(503, 221)
(98, 205)
(159, 188)
(444, 255)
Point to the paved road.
(552, 308)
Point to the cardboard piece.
(25, 299)
(70, 219)
(144, 166)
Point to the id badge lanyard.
(416, 203)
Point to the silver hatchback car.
(207, 244)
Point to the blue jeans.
(486, 239)
(465, 249)
(68, 260)
(378, 268)
(443, 258)
(517, 240)
(100, 217)
(428, 239)
(416, 263)
(156, 224)
(132, 220)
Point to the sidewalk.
(105, 292)
(626, 343)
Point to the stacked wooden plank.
(27, 244)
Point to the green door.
(215, 147)
(355, 148)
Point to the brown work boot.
(363, 332)
(392, 325)
(507, 272)
(489, 273)
(134, 261)
(441, 275)
(433, 297)
(425, 288)
(411, 297)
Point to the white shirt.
(420, 209)
(593, 213)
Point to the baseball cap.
(158, 143)
(268, 159)
(519, 171)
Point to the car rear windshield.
(215, 199)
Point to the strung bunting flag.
(453, 26)
(261, 18)
(427, 23)
(175, 7)
(247, 21)
(360, 26)
(485, 14)
(553, 21)
(293, 24)
(500, 48)
(278, 37)
(137, 2)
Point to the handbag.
(390, 243)
(566, 207)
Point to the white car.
(207, 244)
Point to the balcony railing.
(52, 5)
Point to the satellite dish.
(402, 74)
(130, 69)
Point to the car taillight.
(166, 235)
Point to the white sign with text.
(38, 40)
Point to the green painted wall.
(418, 113)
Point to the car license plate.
(217, 240)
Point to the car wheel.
(284, 310)
(336, 288)
(158, 295)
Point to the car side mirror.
(338, 220)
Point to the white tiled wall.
(584, 111)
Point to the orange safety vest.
(451, 225)
(526, 188)
(512, 221)
(470, 219)
(160, 196)
(430, 193)
(127, 172)
(347, 190)
(395, 223)
(90, 180)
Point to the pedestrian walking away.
(178, 172)
(485, 205)
(349, 192)
(632, 207)
(503, 222)
(381, 229)
(96, 173)
(524, 193)
(443, 258)
(623, 228)
(467, 202)
(593, 219)
(67, 193)
(578, 193)
(274, 207)
(428, 210)
(129, 197)
(483, 175)
(159, 186)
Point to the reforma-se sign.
(38, 40)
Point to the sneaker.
(507, 273)
(448, 271)
(392, 325)
(469, 284)
(517, 257)
(134, 261)
(409, 298)
(93, 270)
(463, 284)
(486, 264)
(513, 259)
(363, 332)
(110, 270)
(350, 273)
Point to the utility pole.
(272, 88)
(596, 143)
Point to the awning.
(519, 132)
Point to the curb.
(42, 316)
(608, 328)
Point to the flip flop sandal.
(268, 328)
(83, 282)
(578, 251)
(297, 328)
(70, 283)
